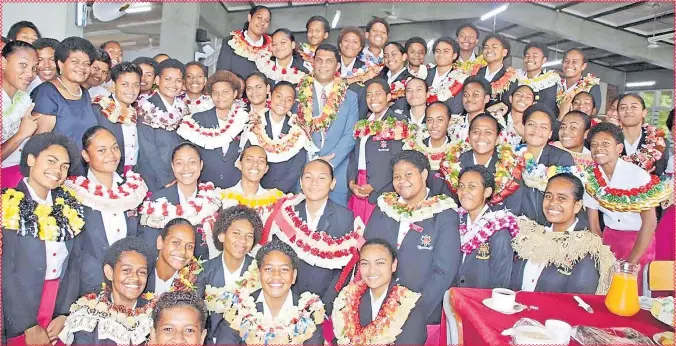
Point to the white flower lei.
(270, 69)
(12, 114)
(545, 80)
(201, 209)
(434, 155)
(118, 199)
(444, 92)
(212, 138)
(219, 299)
(426, 211)
(202, 104)
(156, 118)
(286, 147)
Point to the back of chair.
(661, 276)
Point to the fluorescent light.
(494, 12)
(552, 63)
(640, 84)
(335, 20)
(128, 44)
(139, 9)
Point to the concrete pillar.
(54, 20)
(177, 34)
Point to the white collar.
(401, 199)
(372, 115)
(368, 52)
(569, 229)
(171, 279)
(474, 160)
(489, 76)
(116, 178)
(349, 66)
(287, 66)
(391, 77)
(251, 41)
(471, 58)
(181, 196)
(287, 306)
(319, 212)
(238, 188)
(35, 197)
(237, 271)
(166, 104)
(481, 213)
(112, 301)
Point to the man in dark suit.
(336, 142)
(159, 117)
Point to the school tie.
(323, 99)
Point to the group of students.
(281, 188)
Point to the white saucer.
(517, 307)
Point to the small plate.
(657, 336)
(517, 307)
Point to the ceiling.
(649, 21)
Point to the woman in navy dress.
(109, 200)
(62, 105)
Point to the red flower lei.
(389, 129)
(330, 111)
(501, 85)
(651, 151)
(654, 180)
(241, 47)
(115, 113)
(185, 280)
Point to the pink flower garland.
(488, 224)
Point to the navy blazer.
(583, 279)
(116, 129)
(336, 221)
(414, 330)
(214, 276)
(531, 198)
(454, 103)
(547, 97)
(150, 234)
(360, 90)
(435, 182)
(491, 270)
(401, 102)
(23, 274)
(225, 335)
(378, 155)
(284, 175)
(218, 168)
(662, 163)
(92, 338)
(428, 260)
(155, 149)
(513, 201)
(297, 62)
(94, 247)
(228, 60)
(338, 140)
(503, 96)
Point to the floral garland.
(389, 204)
(501, 85)
(651, 151)
(114, 112)
(60, 222)
(389, 129)
(387, 325)
(156, 118)
(537, 175)
(265, 201)
(306, 52)
(583, 160)
(585, 83)
(546, 79)
(508, 171)
(434, 155)
(200, 210)
(214, 138)
(115, 322)
(398, 89)
(422, 71)
(484, 228)
(330, 111)
(202, 104)
(450, 86)
(317, 248)
(626, 200)
(241, 47)
(363, 74)
(99, 197)
(283, 148)
(219, 299)
(458, 130)
(471, 67)
(13, 113)
(270, 69)
(292, 326)
(185, 281)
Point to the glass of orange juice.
(622, 296)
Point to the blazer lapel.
(219, 276)
(157, 101)
(211, 120)
(268, 125)
(544, 157)
(365, 314)
(325, 220)
(286, 127)
(300, 208)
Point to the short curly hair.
(178, 299)
(39, 143)
(71, 45)
(354, 30)
(480, 116)
(205, 69)
(609, 128)
(46, 42)
(414, 157)
(128, 244)
(147, 61)
(102, 56)
(376, 20)
(124, 68)
(223, 76)
(228, 216)
(416, 39)
(503, 41)
(277, 245)
(170, 63)
(487, 178)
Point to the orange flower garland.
(330, 111)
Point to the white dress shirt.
(376, 304)
(489, 76)
(346, 70)
(238, 189)
(438, 78)
(319, 88)
(477, 163)
(312, 223)
(98, 91)
(168, 106)
(181, 197)
(362, 142)
(471, 232)
(533, 270)
(631, 148)
(471, 58)
(162, 286)
(626, 176)
(287, 66)
(404, 224)
(267, 314)
(56, 252)
(248, 39)
(114, 224)
(228, 276)
(276, 127)
(391, 77)
(129, 134)
(34, 84)
(15, 157)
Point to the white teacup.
(503, 299)
(560, 329)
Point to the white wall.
(54, 20)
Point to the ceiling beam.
(525, 37)
(605, 56)
(615, 10)
(566, 5)
(647, 20)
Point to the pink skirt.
(11, 176)
(664, 236)
(621, 243)
(361, 206)
(50, 289)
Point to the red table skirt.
(479, 325)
